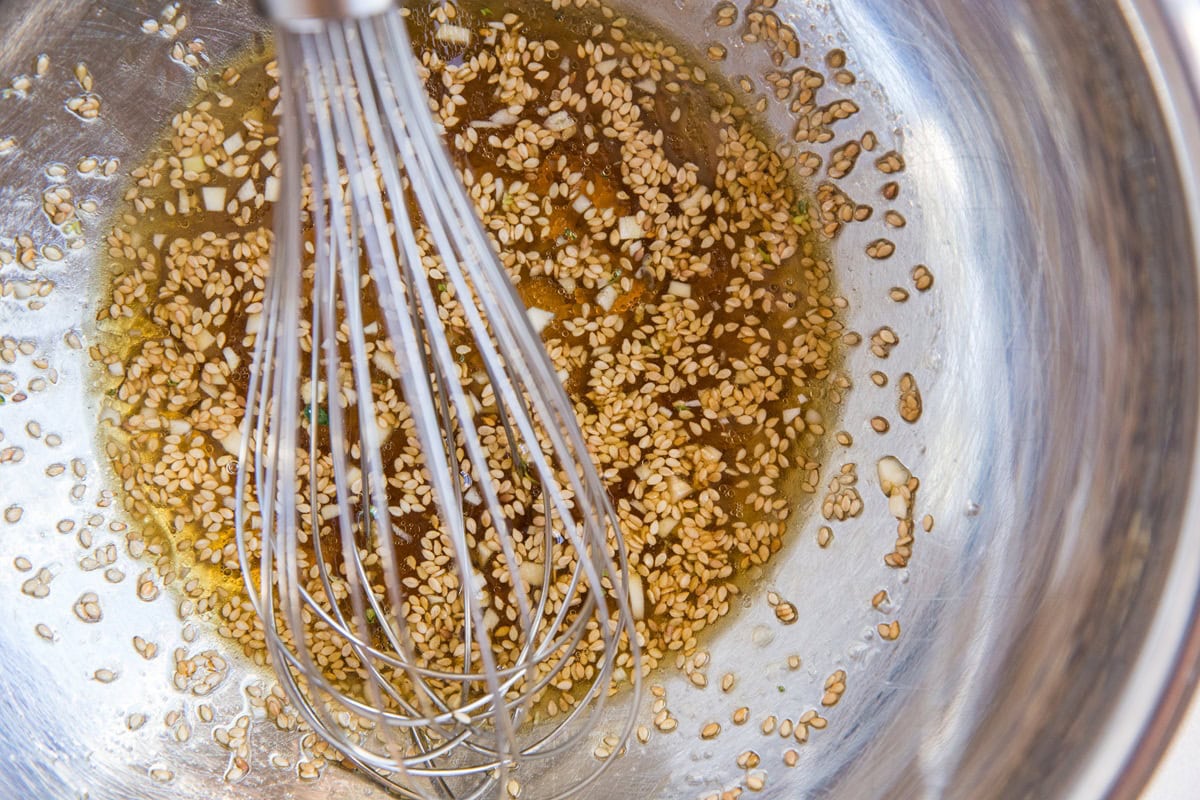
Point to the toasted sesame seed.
(824, 536)
(87, 607)
(922, 278)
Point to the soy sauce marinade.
(661, 241)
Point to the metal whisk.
(341, 575)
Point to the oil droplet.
(762, 636)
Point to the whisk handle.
(303, 12)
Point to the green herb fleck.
(781, 689)
(322, 415)
(485, 11)
(371, 616)
(801, 212)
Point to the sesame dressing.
(670, 254)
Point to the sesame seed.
(888, 631)
(922, 278)
(824, 536)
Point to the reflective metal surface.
(1048, 619)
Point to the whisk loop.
(371, 208)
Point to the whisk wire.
(368, 208)
(358, 136)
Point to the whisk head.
(426, 540)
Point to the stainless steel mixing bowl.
(1050, 637)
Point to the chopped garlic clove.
(214, 198)
(629, 228)
(247, 192)
(892, 473)
(232, 441)
(204, 340)
(679, 289)
(539, 318)
(637, 597)
(678, 487)
(607, 297)
(385, 362)
(532, 572)
(559, 121)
